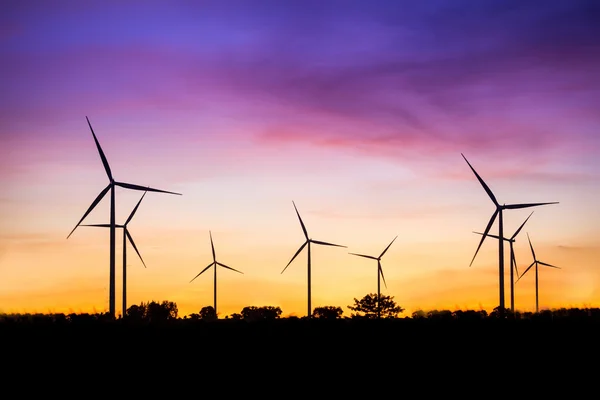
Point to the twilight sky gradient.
(358, 111)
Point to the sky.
(356, 112)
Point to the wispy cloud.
(398, 87)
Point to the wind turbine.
(126, 236)
(499, 209)
(513, 262)
(111, 187)
(535, 262)
(379, 273)
(307, 243)
(215, 263)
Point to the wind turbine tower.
(498, 213)
(535, 262)
(214, 264)
(126, 236)
(307, 244)
(379, 274)
(513, 262)
(111, 187)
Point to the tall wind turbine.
(215, 263)
(499, 210)
(535, 262)
(111, 187)
(379, 273)
(307, 243)
(513, 262)
(126, 236)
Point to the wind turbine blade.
(143, 188)
(94, 204)
(487, 229)
(301, 223)
(523, 274)
(548, 265)
(490, 235)
(102, 225)
(212, 247)
(102, 156)
(521, 227)
(204, 270)
(531, 246)
(134, 209)
(327, 244)
(134, 246)
(386, 249)
(363, 255)
(225, 266)
(381, 272)
(298, 252)
(514, 258)
(525, 205)
(487, 189)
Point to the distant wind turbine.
(111, 187)
(126, 236)
(215, 263)
(307, 243)
(379, 273)
(513, 262)
(535, 262)
(499, 209)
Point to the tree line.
(366, 308)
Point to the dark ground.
(339, 344)
(410, 358)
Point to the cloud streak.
(417, 78)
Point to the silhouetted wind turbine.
(379, 273)
(126, 236)
(499, 209)
(307, 243)
(214, 263)
(535, 262)
(111, 187)
(513, 262)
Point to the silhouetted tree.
(440, 314)
(469, 315)
(234, 316)
(367, 307)
(60, 319)
(83, 318)
(192, 317)
(419, 314)
(104, 317)
(136, 313)
(253, 313)
(165, 311)
(527, 315)
(153, 311)
(208, 313)
(574, 313)
(328, 312)
(499, 312)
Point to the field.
(335, 354)
(378, 339)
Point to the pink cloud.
(427, 153)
